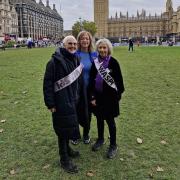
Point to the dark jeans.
(76, 134)
(112, 129)
(86, 130)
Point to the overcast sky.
(72, 10)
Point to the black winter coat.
(66, 101)
(107, 102)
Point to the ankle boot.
(68, 166)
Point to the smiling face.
(84, 42)
(103, 49)
(71, 45)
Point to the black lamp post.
(80, 22)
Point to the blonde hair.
(80, 35)
(107, 42)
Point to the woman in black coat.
(106, 87)
(62, 93)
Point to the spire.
(40, 2)
(169, 6)
(54, 7)
(47, 3)
(137, 13)
(120, 15)
(127, 15)
(116, 16)
(143, 13)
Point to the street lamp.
(80, 22)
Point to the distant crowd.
(29, 43)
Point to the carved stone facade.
(8, 19)
(141, 25)
(37, 20)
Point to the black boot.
(68, 166)
(112, 151)
(65, 161)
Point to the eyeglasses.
(71, 43)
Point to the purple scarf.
(99, 80)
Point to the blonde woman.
(86, 55)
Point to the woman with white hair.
(62, 94)
(106, 87)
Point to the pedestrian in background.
(131, 45)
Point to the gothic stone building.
(37, 20)
(8, 19)
(139, 26)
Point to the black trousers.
(130, 48)
(63, 144)
(112, 129)
(86, 130)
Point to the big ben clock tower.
(101, 15)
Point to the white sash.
(69, 79)
(104, 73)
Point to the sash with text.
(69, 79)
(104, 73)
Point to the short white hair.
(67, 38)
(107, 42)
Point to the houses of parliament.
(167, 24)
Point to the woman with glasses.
(62, 94)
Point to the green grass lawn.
(150, 110)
